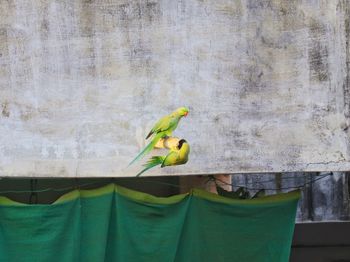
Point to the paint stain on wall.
(346, 87)
(5, 110)
(318, 52)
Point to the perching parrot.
(178, 155)
(163, 128)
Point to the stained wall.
(82, 82)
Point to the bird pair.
(178, 154)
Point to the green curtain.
(113, 223)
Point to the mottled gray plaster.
(81, 82)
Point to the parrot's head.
(183, 111)
(181, 142)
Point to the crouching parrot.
(178, 155)
(163, 128)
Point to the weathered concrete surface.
(81, 82)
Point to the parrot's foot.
(167, 142)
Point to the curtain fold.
(113, 223)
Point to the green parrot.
(163, 128)
(178, 155)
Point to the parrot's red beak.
(186, 113)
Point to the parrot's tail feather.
(147, 149)
(154, 161)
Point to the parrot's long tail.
(154, 161)
(147, 149)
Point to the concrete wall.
(81, 83)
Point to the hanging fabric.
(113, 223)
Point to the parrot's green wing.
(164, 124)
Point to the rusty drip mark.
(278, 182)
(310, 202)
